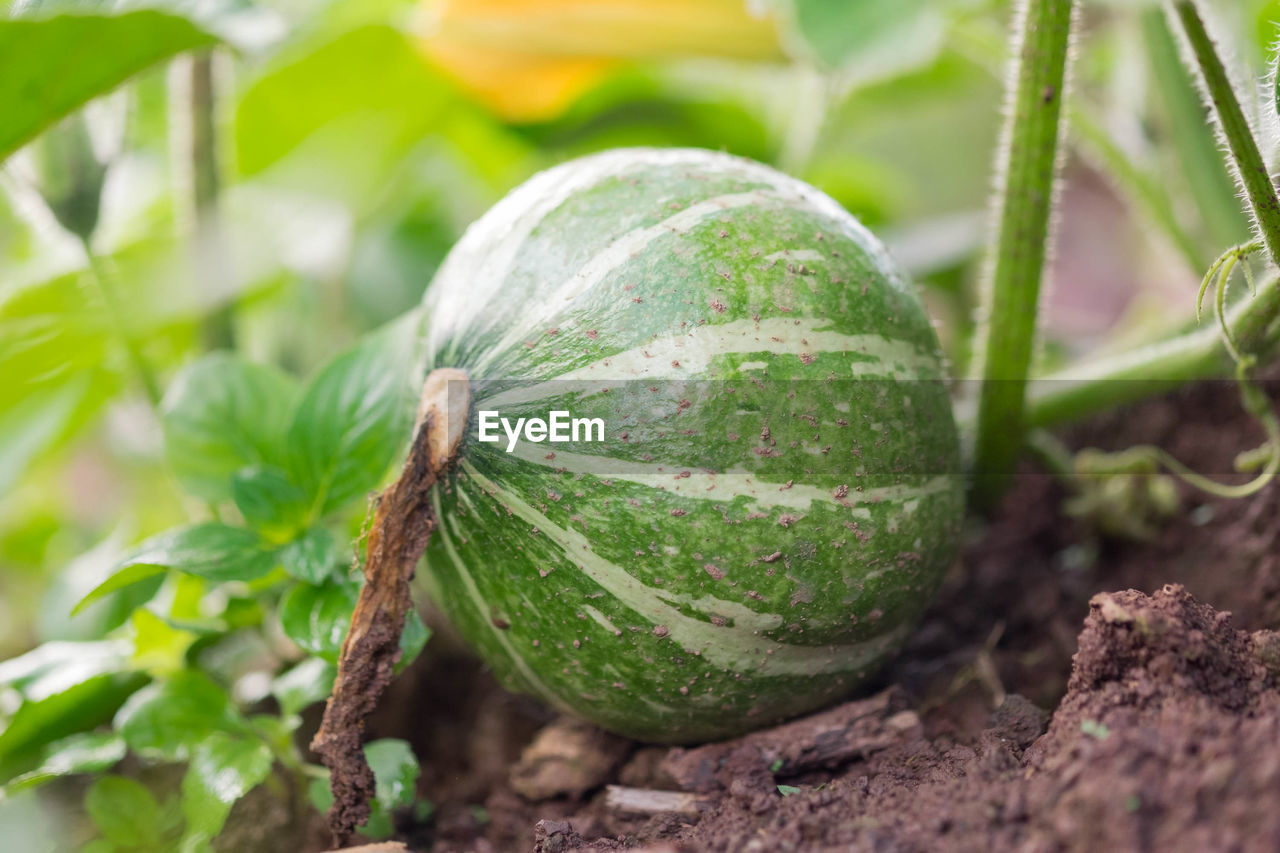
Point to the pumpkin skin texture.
(778, 494)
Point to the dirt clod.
(567, 758)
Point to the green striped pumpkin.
(777, 497)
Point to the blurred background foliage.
(295, 181)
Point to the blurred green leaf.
(122, 579)
(836, 31)
(79, 577)
(413, 639)
(369, 90)
(395, 769)
(159, 648)
(223, 769)
(307, 683)
(312, 557)
(167, 721)
(213, 551)
(125, 812)
(53, 667)
(223, 414)
(88, 752)
(317, 617)
(269, 501)
(56, 357)
(70, 175)
(354, 418)
(878, 151)
(78, 708)
(34, 424)
(635, 107)
(38, 82)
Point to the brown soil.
(1165, 710)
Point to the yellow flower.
(529, 59)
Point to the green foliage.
(366, 121)
(86, 752)
(127, 814)
(836, 32)
(166, 721)
(395, 770)
(349, 162)
(223, 769)
(316, 618)
(284, 459)
(353, 419)
(38, 86)
(223, 414)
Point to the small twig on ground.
(646, 801)
(844, 733)
(402, 526)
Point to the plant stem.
(401, 529)
(1250, 168)
(218, 325)
(1211, 185)
(105, 279)
(1028, 168)
(1157, 368)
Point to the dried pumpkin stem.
(401, 528)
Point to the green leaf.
(395, 769)
(306, 684)
(223, 769)
(35, 423)
(168, 721)
(312, 557)
(56, 357)
(788, 790)
(836, 31)
(125, 812)
(66, 688)
(319, 792)
(354, 418)
(53, 667)
(126, 577)
(223, 414)
(89, 752)
(159, 648)
(317, 617)
(213, 551)
(314, 97)
(38, 85)
(413, 639)
(269, 501)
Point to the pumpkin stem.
(402, 526)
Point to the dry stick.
(646, 801)
(402, 526)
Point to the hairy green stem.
(1158, 368)
(1193, 141)
(1251, 169)
(1028, 167)
(105, 278)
